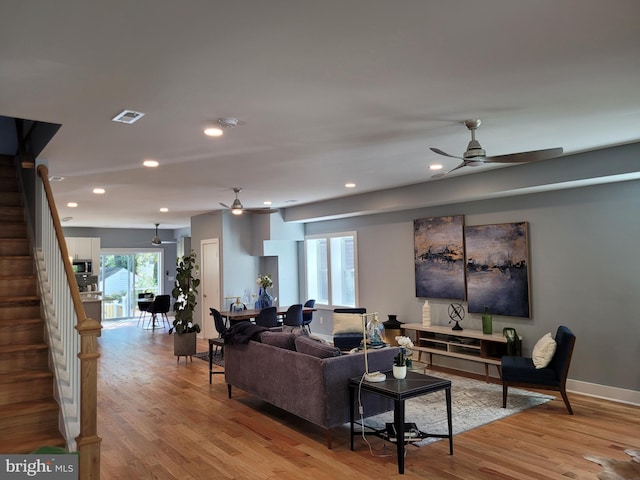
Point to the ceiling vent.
(128, 117)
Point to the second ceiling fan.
(475, 154)
(237, 208)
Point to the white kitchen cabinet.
(85, 248)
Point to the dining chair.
(307, 317)
(161, 305)
(220, 326)
(293, 317)
(268, 317)
(144, 302)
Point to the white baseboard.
(615, 394)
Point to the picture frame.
(439, 257)
(497, 269)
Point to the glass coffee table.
(414, 385)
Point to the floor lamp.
(369, 376)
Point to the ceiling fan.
(237, 208)
(156, 239)
(475, 154)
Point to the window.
(123, 275)
(331, 269)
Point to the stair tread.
(21, 376)
(31, 442)
(28, 408)
(20, 321)
(22, 348)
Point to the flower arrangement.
(264, 281)
(404, 357)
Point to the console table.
(414, 385)
(472, 345)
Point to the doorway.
(210, 286)
(122, 277)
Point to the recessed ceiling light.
(350, 185)
(150, 163)
(213, 132)
(268, 202)
(164, 209)
(99, 191)
(128, 117)
(435, 166)
(72, 204)
(66, 219)
(55, 178)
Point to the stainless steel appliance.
(82, 267)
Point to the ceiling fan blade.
(225, 206)
(440, 175)
(261, 210)
(525, 157)
(440, 152)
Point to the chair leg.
(563, 392)
(504, 394)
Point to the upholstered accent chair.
(523, 372)
(347, 327)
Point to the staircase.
(28, 411)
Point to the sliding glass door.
(123, 276)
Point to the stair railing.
(73, 336)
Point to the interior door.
(210, 285)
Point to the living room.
(311, 97)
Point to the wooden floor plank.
(163, 420)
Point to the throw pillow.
(347, 323)
(279, 339)
(308, 346)
(543, 351)
(297, 331)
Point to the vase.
(487, 322)
(265, 298)
(399, 372)
(184, 345)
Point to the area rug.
(217, 358)
(474, 403)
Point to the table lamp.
(370, 376)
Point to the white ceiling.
(326, 92)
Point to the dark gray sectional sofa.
(276, 370)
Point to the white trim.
(615, 394)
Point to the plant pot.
(399, 372)
(184, 345)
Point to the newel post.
(88, 442)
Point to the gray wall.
(585, 272)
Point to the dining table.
(251, 313)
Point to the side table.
(414, 385)
(218, 342)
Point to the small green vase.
(487, 322)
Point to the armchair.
(521, 371)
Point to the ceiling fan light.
(236, 211)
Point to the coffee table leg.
(398, 419)
(450, 424)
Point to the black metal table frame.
(414, 385)
(219, 342)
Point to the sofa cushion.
(279, 339)
(543, 351)
(312, 347)
(347, 323)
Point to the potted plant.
(400, 365)
(185, 293)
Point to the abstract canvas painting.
(439, 257)
(498, 269)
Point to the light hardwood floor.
(162, 420)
